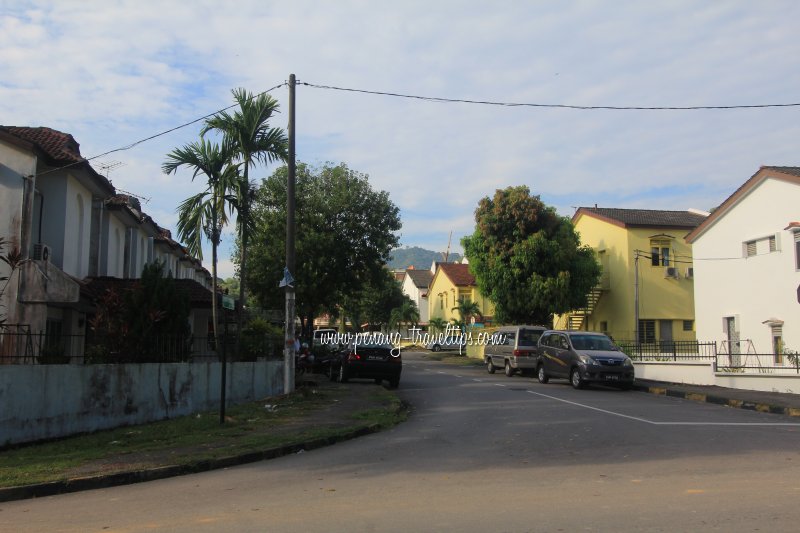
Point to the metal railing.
(26, 348)
(758, 363)
(669, 350)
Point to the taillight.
(522, 353)
(353, 356)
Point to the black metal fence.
(22, 347)
(669, 350)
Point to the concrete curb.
(151, 474)
(666, 390)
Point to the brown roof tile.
(458, 273)
(420, 278)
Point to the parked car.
(376, 361)
(583, 357)
(451, 342)
(513, 348)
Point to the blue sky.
(114, 72)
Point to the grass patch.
(453, 358)
(308, 413)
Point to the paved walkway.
(768, 402)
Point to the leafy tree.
(345, 233)
(231, 285)
(204, 214)
(527, 259)
(373, 302)
(148, 322)
(251, 140)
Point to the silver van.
(513, 348)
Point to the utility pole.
(636, 299)
(288, 358)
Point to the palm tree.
(467, 309)
(407, 313)
(437, 324)
(204, 214)
(251, 140)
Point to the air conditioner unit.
(41, 252)
(689, 272)
(670, 272)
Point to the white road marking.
(638, 419)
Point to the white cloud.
(113, 73)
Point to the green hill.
(419, 257)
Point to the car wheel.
(541, 374)
(333, 375)
(576, 379)
(490, 366)
(509, 371)
(343, 377)
(394, 383)
(436, 348)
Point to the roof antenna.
(446, 255)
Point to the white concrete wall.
(772, 383)
(695, 373)
(73, 399)
(77, 225)
(410, 289)
(116, 247)
(755, 288)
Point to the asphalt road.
(483, 453)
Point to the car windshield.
(591, 342)
(529, 337)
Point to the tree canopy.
(345, 233)
(527, 259)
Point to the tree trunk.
(243, 238)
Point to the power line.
(557, 106)
(154, 136)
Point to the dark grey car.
(583, 357)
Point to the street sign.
(228, 302)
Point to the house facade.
(747, 267)
(646, 264)
(415, 286)
(72, 226)
(451, 283)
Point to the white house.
(415, 286)
(747, 267)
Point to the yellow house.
(646, 264)
(451, 283)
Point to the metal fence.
(669, 350)
(24, 347)
(758, 363)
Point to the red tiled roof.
(458, 273)
(59, 148)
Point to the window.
(660, 252)
(688, 325)
(777, 342)
(797, 250)
(764, 245)
(647, 331)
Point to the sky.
(115, 72)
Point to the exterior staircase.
(577, 319)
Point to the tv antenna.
(106, 168)
(446, 255)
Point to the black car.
(370, 360)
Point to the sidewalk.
(357, 409)
(781, 403)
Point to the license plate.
(375, 358)
(612, 377)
